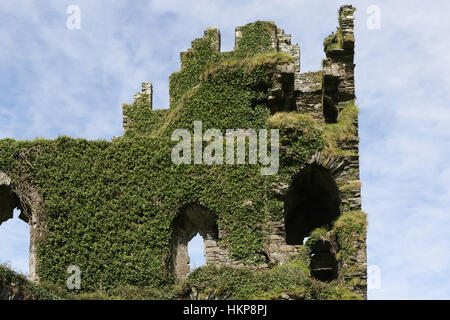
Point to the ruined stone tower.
(124, 212)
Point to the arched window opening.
(14, 233)
(192, 220)
(312, 201)
(15, 244)
(323, 265)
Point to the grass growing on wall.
(17, 287)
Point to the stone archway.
(192, 219)
(312, 201)
(9, 201)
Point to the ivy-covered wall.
(108, 206)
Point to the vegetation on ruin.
(107, 206)
(21, 288)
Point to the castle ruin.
(124, 213)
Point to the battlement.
(316, 93)
(146, 93)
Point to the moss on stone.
(334, 41)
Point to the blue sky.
(56, 81)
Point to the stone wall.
(308, 94)
(219, 255)
(338, 68)
(147, 92)
(285, 45)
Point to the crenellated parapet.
(316, 93)
(285, 45)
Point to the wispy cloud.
(404, 123)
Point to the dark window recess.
(324, 266)
(312, 201)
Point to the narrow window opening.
(227, 41)
(15, 244)
(330, 99)
(194, 239)
(196, 252)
